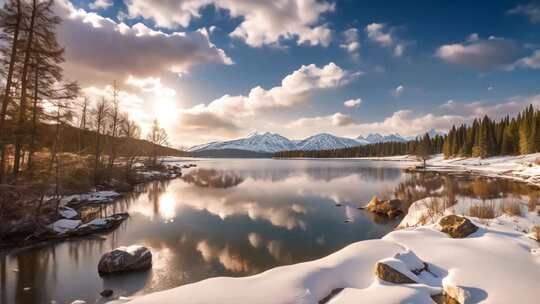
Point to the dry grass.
(535, 231)
(533, 202)
(483, 211)
(511, 208)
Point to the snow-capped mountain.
(257, 142)
(377, 138)
(325, 141)
(272, 142)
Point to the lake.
(230, 217)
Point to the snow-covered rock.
(64, 225)
(498, 265)
(67, 212)
(124, 258)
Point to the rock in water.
(390, 208)
(106, 293)
(123, 258)
(457, 226)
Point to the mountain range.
(267, 143)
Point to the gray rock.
(121, 259)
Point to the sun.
(165, 111)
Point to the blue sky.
(453, 60)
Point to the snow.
(325, 141)
(496, 264)
(91, 197)
(272, 142)
(64, 225)
(67, 212)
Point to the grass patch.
(511, 208)
(483, 211)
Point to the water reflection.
(232, 218)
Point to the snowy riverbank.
(522, 168)
(498, 263)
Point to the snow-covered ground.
(498, 263)
(521, 167)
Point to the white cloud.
(151, 84)
(263, 22)
(384, 35)
(340, 120)
(531, 62)
(99, 50)
(101, 4)
(351, 43)
(353, 103)
(482, 54)
(398, 91)
(228, 114)
(531, 11)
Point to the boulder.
(123, 258)
(456, 293)
(457, 226)
(390, 208)
(389, 274)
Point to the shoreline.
(95, 227)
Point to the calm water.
(227, 218)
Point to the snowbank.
(496, 264)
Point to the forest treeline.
(43, 113)
(482, 138)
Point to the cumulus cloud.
(409, 122)
(531, 62)
(384, 35)
(479, 53)
(263, 22)
(531, 11)
(101, 4)
(340, 120)
(351, 43)
(398, 91)
(228, 115)
(353, 103)
(474, 109)
(99, 50)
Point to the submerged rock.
(457, 226)
(390, 208)
(123, 258)
(106, 293)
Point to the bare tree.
(100, 118)
(11, 16)
(115, 122)
(129, 130)
(83, 123)
(158, 137)
(24, 89)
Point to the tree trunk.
(31, 149)
(24, 86)
(7, 90)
